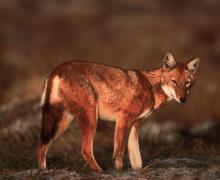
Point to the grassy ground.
(192, 167)
(189, 156)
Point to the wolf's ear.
(169, 61)
(193, 65)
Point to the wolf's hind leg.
(88, 123)
(55, 121)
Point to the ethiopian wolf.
(86, 91)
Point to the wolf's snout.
(182, 99)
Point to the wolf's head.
(178, 78)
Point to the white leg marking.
(133, 149)
(54, 95)
(43, 96)
(145, 114)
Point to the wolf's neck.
(154, 77)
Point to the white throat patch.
(170, 92)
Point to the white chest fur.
(145, 113)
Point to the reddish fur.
(86, 86)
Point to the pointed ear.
(169, 61)
(193, 65)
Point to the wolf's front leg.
(133, 148)
(121, 133)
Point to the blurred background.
(37, 35)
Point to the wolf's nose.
(182, 99)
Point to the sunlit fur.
(133, 149)
(54, 96)
(43, 96)
(86, 92)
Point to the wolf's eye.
(174, 81)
